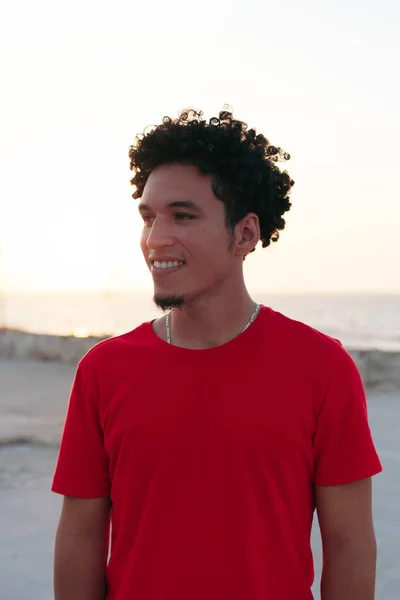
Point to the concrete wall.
(377, 368)
(18, 344)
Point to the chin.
(168, 301)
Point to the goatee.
(168, 302)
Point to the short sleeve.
(344, 450)
(82, 464)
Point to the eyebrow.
(176, 204)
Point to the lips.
(162, 268)
(167, 264)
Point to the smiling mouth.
(164, 265)
(164, 268)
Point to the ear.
(247, 234)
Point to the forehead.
(169, 183)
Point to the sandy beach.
(33, 399)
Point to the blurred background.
(79, 80)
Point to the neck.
(210, 322)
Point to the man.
(209, 436)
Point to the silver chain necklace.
(249, 322)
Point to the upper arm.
(343, 447)
(345, 513)
(85, 516)
(82, 468)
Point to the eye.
(147, 218)
(184, 217)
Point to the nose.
(159, 236)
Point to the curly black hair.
(242, 164)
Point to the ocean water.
(359, 321)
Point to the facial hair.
(168, 302)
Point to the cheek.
(210, 252)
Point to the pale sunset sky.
(79, 79)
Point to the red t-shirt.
(210, 457)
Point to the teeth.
(167, 264)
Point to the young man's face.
(185, 241)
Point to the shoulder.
(116, 348)
(305, 343)
(298, 332)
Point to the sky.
(81, 79)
